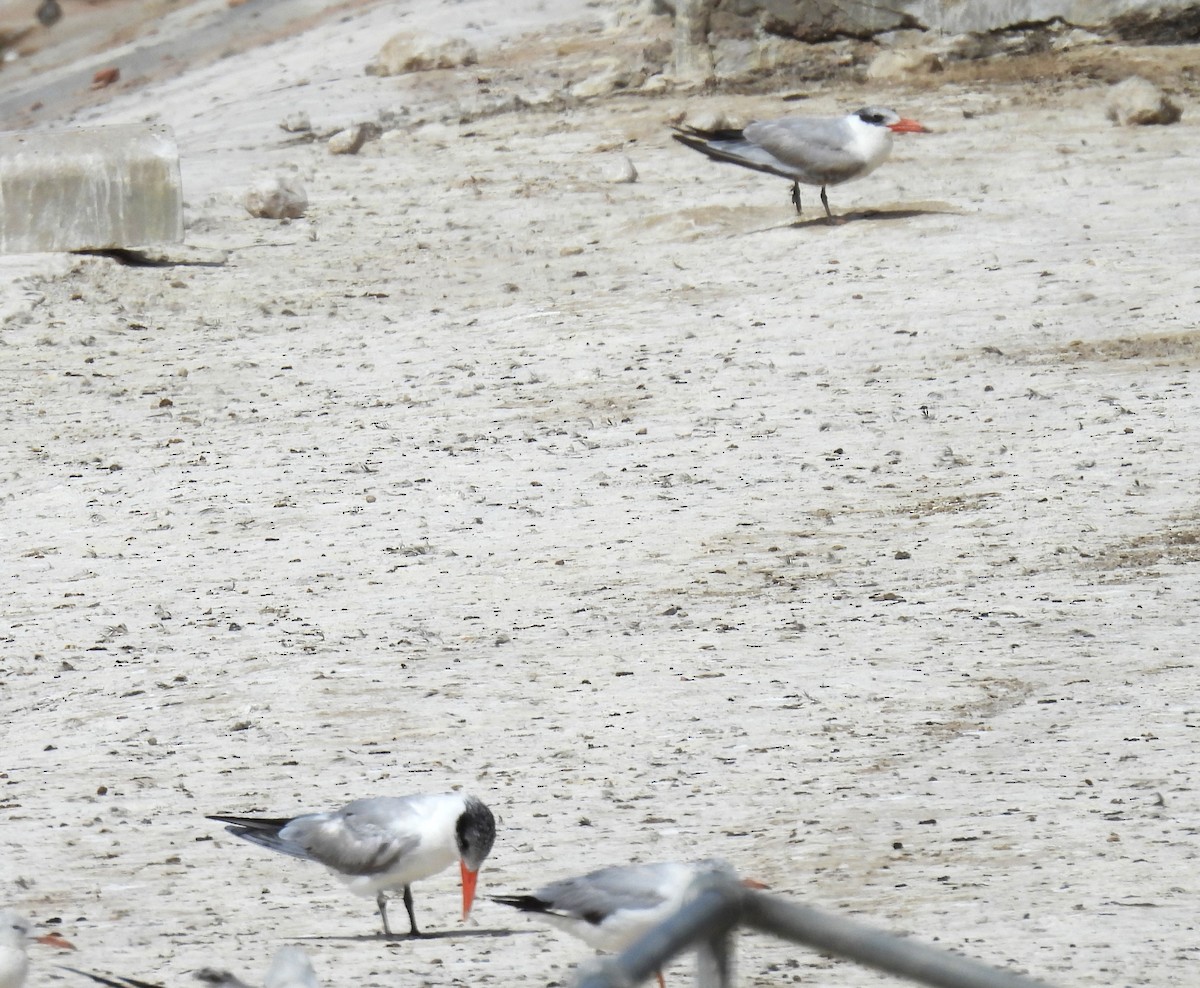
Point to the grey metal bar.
(875, 948)
(712, 914)
(714, 961)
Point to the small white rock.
(710, 121)
(276, 197)
(296, 123)
(348, 141)
(621, 170)
(1137, 101)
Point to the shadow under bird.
(290, 968)
(611, 908)
(808, 150)
(16, 934)
(384, 843)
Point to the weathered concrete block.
(91, 188)
(819, 20)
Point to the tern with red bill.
(383, 844)
(16, 933)
(611, 908)
(808, 150)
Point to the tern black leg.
(412, 917)
(796, 198)
(825, 202)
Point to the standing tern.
(290, 968)
(813, 150)
(611, 908)
(16, 933)
(383, 844)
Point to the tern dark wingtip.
(113, 981)
(524, 903)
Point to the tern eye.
(871, 118)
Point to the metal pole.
(714, 961)
(712, 914)
(858, 942)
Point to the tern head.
(474, 833)
(723, 868)
(881, 116)
(16, 931)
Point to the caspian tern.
(813, 150)
(386, 843)
(290, 968)
(611, 908)
(16, 933)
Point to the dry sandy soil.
(863, 556)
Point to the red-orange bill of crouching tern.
(808, 150)
(611, 908)
(385, 843)
(16, 933)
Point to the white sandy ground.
(865, 557)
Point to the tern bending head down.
(808, 150)
(383, 844)
(611, 908)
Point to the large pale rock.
(276, 197)
(404, 53)
(898, 63)
(89, 188)
(1137, 101)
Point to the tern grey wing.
(604, 892)
(359, 839)
(817, 149)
